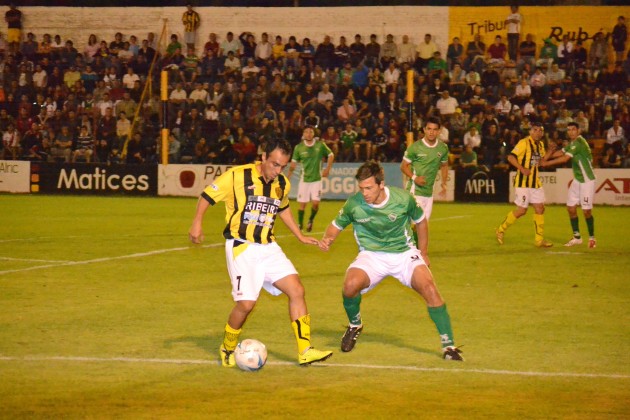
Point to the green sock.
(300, 217)
(575, 225)
(590, 223)
(441, 319)
(352, 305)
(313, 214)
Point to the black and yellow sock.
(230, 337)
(575, 225)
(300, 217)
(352, 305)
(590, 223)
(507, 222)
(539, 226)
(302, 330)
(440, 317)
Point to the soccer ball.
(250, 355)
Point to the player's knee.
(245, 306)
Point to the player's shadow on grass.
(333, 340)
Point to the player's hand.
(308, 240)
(325, 243)
(195, 234)
(525, 171)
(420, 180)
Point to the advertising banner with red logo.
(187, 180)
(612, 186)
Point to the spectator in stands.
(616, 137)
(389, 51)
(357, 51)
(425, 51)
(407, 52)
(11, 142)
(611, 159)
(475, 55)
(619, 38)
(548, 54)
(13, 17)
(84, 147)
(496, 52)
(372, 53)
(455, 53)
(598, 53)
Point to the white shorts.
(379, 265)
(426, 203)
(189, 38)
(309, 191)
(254, 266)
(582, 194)
(524, 196)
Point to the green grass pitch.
(106, 311)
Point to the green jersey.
(311, 159)
(581, 159)
(348, 138)
(385, 227)
(425, 161)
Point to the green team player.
(381, 217)
(310, 153)
(582, 188)
(421, 162)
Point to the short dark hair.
(573, 124)
(273, 144)
(370, 169)
(433, 120)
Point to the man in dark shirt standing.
(13, 18)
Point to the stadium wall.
(579, 22)
(444, 23)
(77, 23)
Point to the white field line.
(136, 255)
(33, 260)
(106, 259)
(340, 365)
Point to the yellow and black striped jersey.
(251, 204)
(191, 21)
(528, 153)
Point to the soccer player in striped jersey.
(254, 195)
(526, 157)
(582, 188)
(381, 218)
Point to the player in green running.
(310, 152)
(582, 188)
(421, 163)
(381, 218)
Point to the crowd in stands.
(228, 95)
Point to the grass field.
(106, 311)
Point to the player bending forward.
(381, 218)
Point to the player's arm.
(195, 233)
(514, 162)
(405, 168)
(444, 175)
(330, 235)
(329, 163)
(292, 167)
(558, 158)
(287, 218)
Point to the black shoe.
(452, 353)
(309, 226)
(349, 339)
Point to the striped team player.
(526, 157)
(254, 195)
(381, 217)
(582, 188)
